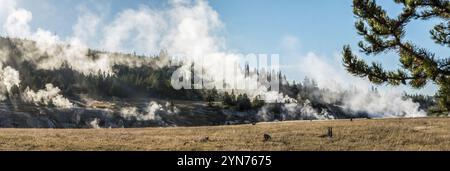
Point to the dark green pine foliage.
(243, 103)
(383, 33)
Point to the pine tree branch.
(377, 19)
(441, 34)
(382, 33)
(360, 68)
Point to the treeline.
(126, 82)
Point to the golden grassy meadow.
(366, 134)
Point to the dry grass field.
(373, 134)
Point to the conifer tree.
(383, 33)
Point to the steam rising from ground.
(357, 95)
(382, 105)
(304, 111)
(151, 112)
(294, 111)
(9, 77)
(48, 96)
(95, 123)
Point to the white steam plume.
(383, 104)
(6, 8)
(50, 52)
(9, 77)
(48, 96)
(95, 123)
(293, 111)
(359, 98)
(149, 114)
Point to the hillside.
(55, 85)
(372, 134)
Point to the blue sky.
(255, 26)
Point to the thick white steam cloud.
(359, 97)
(95, 123)
(9, 77)
(150, 113)
(48, 96)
